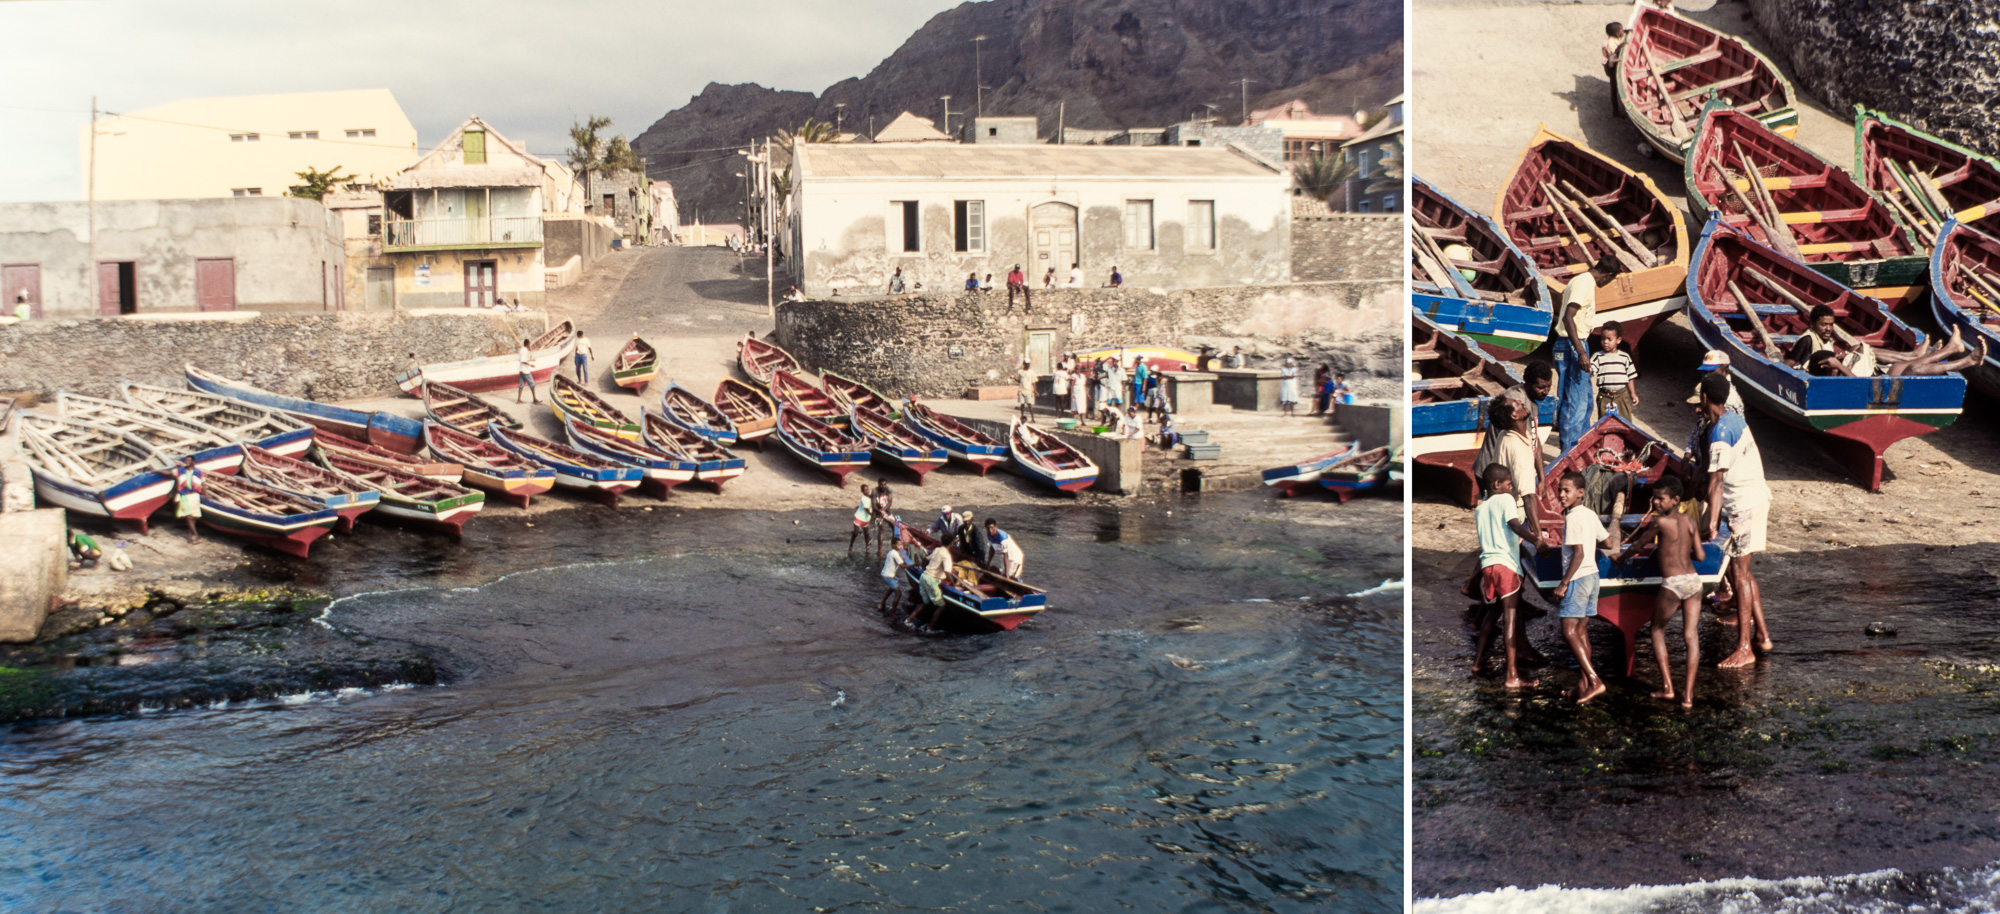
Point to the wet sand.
(1839, 752)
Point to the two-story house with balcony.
(1377, 183)
(462, 227)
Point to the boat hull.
(133, 499)
(603, 484)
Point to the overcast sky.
(528, 68)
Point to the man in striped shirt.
(1614, 372)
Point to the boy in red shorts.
(1501, 531)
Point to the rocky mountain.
(1083, 63)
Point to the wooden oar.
(1780, 233)
(1578, 241)
(1615, 223)
(1624, 256)
(1757, 327)
(1799, 304)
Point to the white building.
(246, 146)
(1168, 217)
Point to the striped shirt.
(1614, 370)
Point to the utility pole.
(978, 81)
(770, 222)
(947, 114)
(836, 115)
(1246, 98)
(90, 266)
(1062, 109)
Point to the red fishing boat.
(514, 479)
(789, 387)
(753, 412)
(344, 495)
(759, 358)
(1567, 207)
(1670, 67)
(419, 464)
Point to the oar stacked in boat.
(234, 420)
(663, 470)
(832, 450)
(407, 497)
(1927, 181)
(636, 365)
(460, 409)
(791, 387)
(681, 407)
(423, 463)
(714, 464)
(570, 400)
(1669, 67)
(962, 442)
(897, 444)
(92, 469)
(751, 411)
(344, 495)
(759, 358)
(599, 478)
(489, 467)
(1965, 296)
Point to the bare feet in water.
(1519, 683)
(1742, 657)
(1596, 688)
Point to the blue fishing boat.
(89, 469)
(1466, 276)
(714, 464)
(663, 470)
(820, 444)
(1965, 295)
(1860, 417)
(259, 513)
(897, 444)
(1304, 476)
(1452, 385)
(599, 478)
(963, 442)
(1357, 473)
(976, 598)
(684, 408)
(385, 430)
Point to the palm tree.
(586, 149)
(813, 130)
(1319, 175)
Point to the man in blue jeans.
(1576, 396)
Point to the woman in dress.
(1288, 388)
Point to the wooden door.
(381, 292)
(1040, 344)
(481, 283)
(21, 278)
(215, 284)
(1054, 228)
(110, 292)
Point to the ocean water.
(710, 715)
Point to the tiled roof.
(907, 128)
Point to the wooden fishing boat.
(988, 602)
(384, 430)
(896, 444)
(752, 411)
(1748, 300)
(1926, 180)
(1162, 358)
(789, 387)
(1785, 197)
(599, 478)
(663, 470)
(1357, 473)
(460, 409)
(1626, 590)
(1627, 218)
(636, 365)
(546, 353)
(1452, 385)
(964, 443)
(343, 495)
(407, 497)
(263, 514)
(234, 420)
(1044, 458)
(848, 393)
(1467, 277)
(93, 470)
(570, 400)
(1304, 475)
(819, 444)
(1669, 67)
(714, 464)
(420, 464)
(1965, 296)
(681, 407)
(490, 467)
(174, 437)
(759, 358)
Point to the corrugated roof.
(956, 160)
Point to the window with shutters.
(1138, 225)
(1201, 226)
(474, 143)
(969, 226)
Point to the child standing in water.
(1583, 535)
(1679, 547)
(1500, 534)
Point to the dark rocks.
(1882, 629)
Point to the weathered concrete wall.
(1936, 65)
(283, 248)
(35, 572)
(519, 275)
(940, 344)
(330, 356)
(563, 238)
(1117, 459)
(1347, 246)
(1373, 425)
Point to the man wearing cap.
(946, 525)
(1576, 398)
(1736, 482)
(1018, 281)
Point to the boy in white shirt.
(1583, 535)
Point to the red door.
(482, 283)
(215, 284)
(110, 292)
(21, 278)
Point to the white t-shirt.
(1582, 530)
(1076, 277)
(1498, 543)
(1582, 292)
(1731, 448)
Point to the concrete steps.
(1251, 443)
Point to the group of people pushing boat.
(954, 551)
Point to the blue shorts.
(1580, 600)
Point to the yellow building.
(246, 146)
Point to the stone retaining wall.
(1347, 246)
(1936, 65)
(941, 344)
(322, 356)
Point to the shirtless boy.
(1501, 532)
(1583, 535)
(1678, 548)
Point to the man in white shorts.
(1736, 482)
